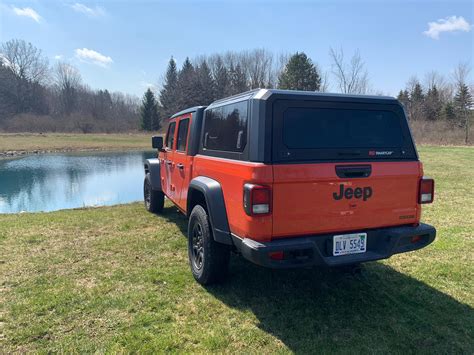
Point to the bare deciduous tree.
(24, 60)
(30, 70)
(461, 73)
(259, 66)
(68, 81)
(435, 79)
(324, 82)
(352, 77)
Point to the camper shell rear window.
(325, 131)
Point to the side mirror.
(157, 142)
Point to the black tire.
(208, 259)
(154, 200)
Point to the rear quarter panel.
(232, 175)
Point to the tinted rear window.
(312, 131)
(315, 128)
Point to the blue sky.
(125, 45)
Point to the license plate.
(349, 244)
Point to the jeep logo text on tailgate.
(359, 192)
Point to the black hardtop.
(188, 110)
(324, 96)
(274, 94)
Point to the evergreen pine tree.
(432, 104)
(417, 100)
(400, 96)
(187, 94)
(463, 105)
(156, 118)
(417, 94)
(204, 86)
(148, 110)
(450, 112)
(169, 94)
(404, 98)
(300, 74)
(221, 78)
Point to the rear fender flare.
(212, 191)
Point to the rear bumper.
(317, 250)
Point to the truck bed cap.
(266, 94)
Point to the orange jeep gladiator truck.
(292, 179)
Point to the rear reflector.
(415, 239)
(257, 200)
(276, 255)
(426, 194)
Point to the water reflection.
(58, 181)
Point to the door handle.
(180, 166)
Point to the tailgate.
(342, 166)
(332, 197)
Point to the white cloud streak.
(448, 24)
(27, 12)
(147, 85)
(89, 11)
(91, 56)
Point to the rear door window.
(182, 134)
(170, 136)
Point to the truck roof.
(188, 110)
(266, 94)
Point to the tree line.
(439, 99)
(35, 96)
(205, 79)
(208, 78)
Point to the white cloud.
(147, 85)
(58, 57)
(449, 24)
(91, 56)
(27, 12)
(89, 11)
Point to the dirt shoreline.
(9, 154)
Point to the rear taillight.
(257, 200)
(426, 194)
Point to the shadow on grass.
(327, 310)
(321, 310)
(173, 215)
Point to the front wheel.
(208, 259)
(154, 200)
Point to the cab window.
(225, 127)
(182, 134)
(170, 135)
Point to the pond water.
(52, 182)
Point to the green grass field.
(73, 141)
(117, 279)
